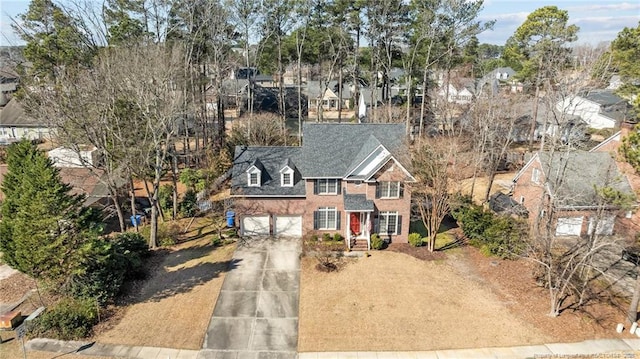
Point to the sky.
(598, 20)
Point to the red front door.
(354, 220)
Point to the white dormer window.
(286, 177)
(253, 177)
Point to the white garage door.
(605, 225)
(288, 226)
(255, 225)
(569, 226)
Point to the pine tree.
(43, 227)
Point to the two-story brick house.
(565, 186)
(345, 178)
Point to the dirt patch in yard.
(174, 306)
(411, 301)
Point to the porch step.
(359, 245)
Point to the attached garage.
(288, 226)
(255, 225)
(569, 226)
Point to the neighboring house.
(83, 181)
(16, 125)
(345, 178)
(550, 122)
(494, 80)
(86, 156)
(630, 224)
(502, 73)
(564, 185)
(457, 94)
(89, 182)
(599, 109)
(329, 101)
(9, 80)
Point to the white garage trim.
(569, 226)
(288, 226)
(255, 225)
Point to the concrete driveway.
(256, 315)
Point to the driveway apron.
(256, 315)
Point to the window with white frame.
(253, 178)
(286, 179)
(388, 222)
(535, 175)
(326, 218)
(389, 189)
(327, 186)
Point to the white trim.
(388, 187)
(327, 210)
(286, 171)
(387, 214)
(524, 168)
(327, 184)
(615, 136)
(390, 158)
(253, 170)
(413, 179)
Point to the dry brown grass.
(391, 301)
(175, 305)
(500, 184)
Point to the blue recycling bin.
(136, 220)
(231, 216)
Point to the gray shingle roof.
(14, 115)
(604, 97)
(574, 176)
(272, 160)
(332, 149)
(357, 202)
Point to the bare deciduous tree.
(431, 191)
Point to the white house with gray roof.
(347, 179)
(599, 109)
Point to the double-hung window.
(254, 179)
(287, 179)
(389, 189)
(327, 186)
(326, 218)
(388, 222)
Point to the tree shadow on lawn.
(170, 283)
(184, 255)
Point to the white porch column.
(348, 229)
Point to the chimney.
(625, 128)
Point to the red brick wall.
(532, 193)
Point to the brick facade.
(532, 195)
(248, 206)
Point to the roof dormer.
(254, 174)
(287, 174)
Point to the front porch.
(359, 212)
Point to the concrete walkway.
(256, 314)
(611, 348)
